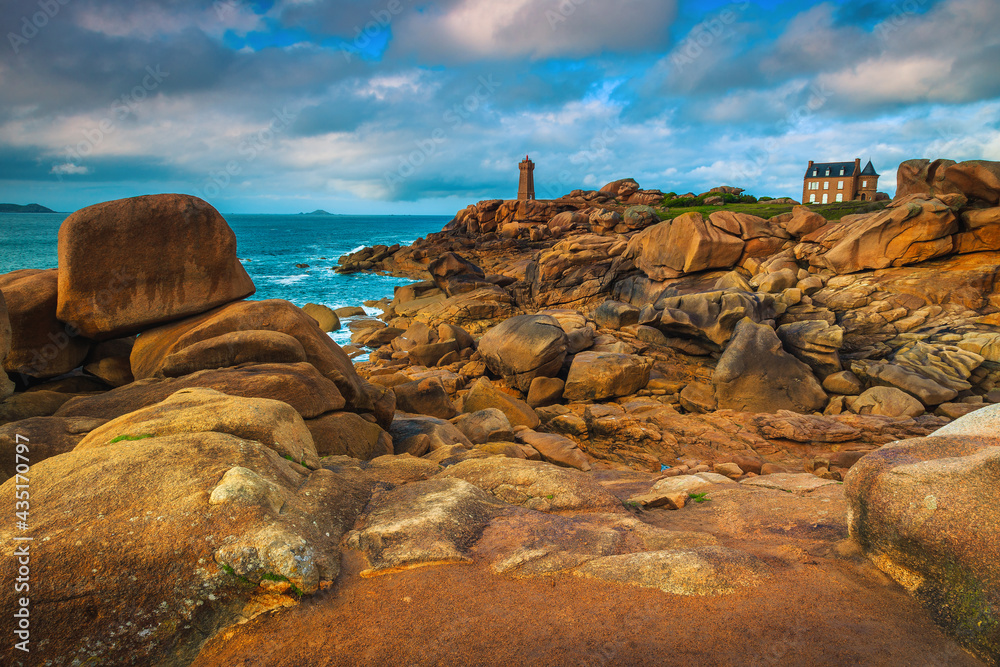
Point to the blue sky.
(425, 106)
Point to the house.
(828, 182)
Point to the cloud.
(483, 29)
(69, 169)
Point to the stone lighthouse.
(526, 188)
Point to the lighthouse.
(526, 188)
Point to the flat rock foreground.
(593, 432)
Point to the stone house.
(828, 182)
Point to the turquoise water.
(270, 247)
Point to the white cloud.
(535, 28)
(69, 169)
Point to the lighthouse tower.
(526, 188)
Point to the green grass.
(267, 576)
(132, 438)
(700, 497)
(832, 212)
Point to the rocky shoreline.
(714, 411)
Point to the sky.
(425, 106)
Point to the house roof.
(869, 170)
(819, 170)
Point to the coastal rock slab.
(153, 348)
(349, 434)
(536, 485)
(299, 385)
(40, 345)
(712, 316)
(45, 436)
(523, 348)
(697, 571)
(159, 558)
(925, 513)
(601, 375)
(198, 410)
(756, 375)
(434, 522)
(686, 244)
(173, 256)
(6, 386)
(913, 231)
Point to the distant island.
(30, 208)
(317, 212)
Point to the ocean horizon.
(269, 246)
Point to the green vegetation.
(764, 209)
(700, 497)
(267, 576)
(132, 438)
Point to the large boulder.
(523, 348)
(815, 342)
(41, 346)
(198, 410)
(598, 376)
(482, 395)
(419, 434)
(912, 231)
(536, 485)
(299, 385)
(887, 402)
(130, 264)
(229, 327)
(6, 386)
(453, 274)
(173, 539)
(622, 188)
(348, 434)
(686, 244)
(925, 511)
(44, 437)
(324, 316)
(425, 397)
(756, 375)
(712, 316)
(978, 180)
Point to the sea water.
(269, 246)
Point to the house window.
(826, 185)
(842, 172)
(812, 199)
(814, 186)
(826, 198)
(840, 196)
(827, 172)
(840, 185)
(864, 184)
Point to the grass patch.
(131, 438)
(267, 576)
(832, 212)
(700, 497)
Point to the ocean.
(269, 245)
